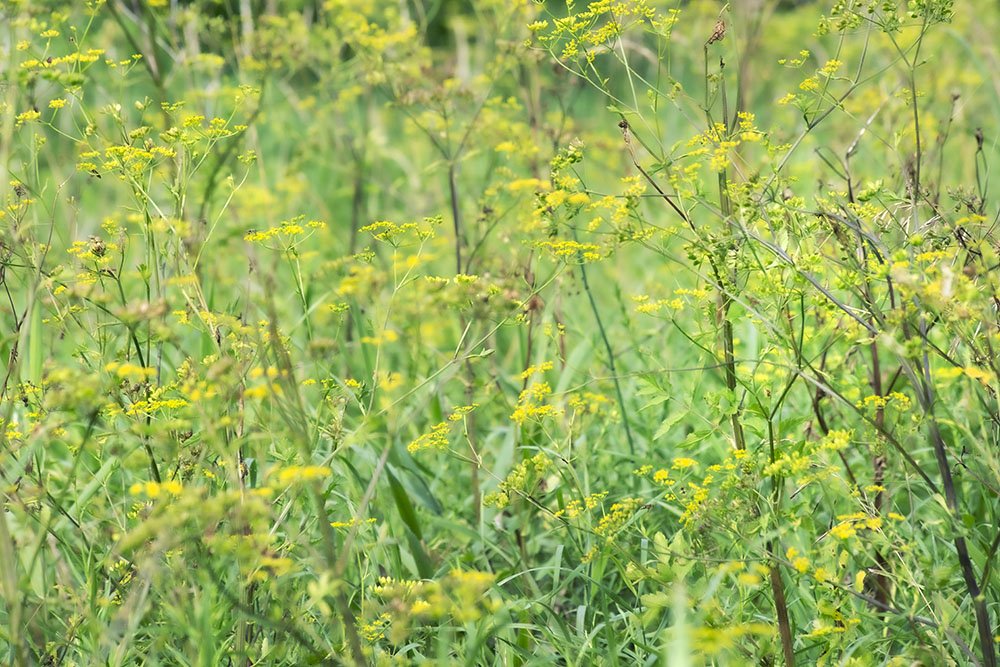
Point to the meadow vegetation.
(376, 332)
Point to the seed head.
(718, 33)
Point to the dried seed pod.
(718, 33)
(97, 247)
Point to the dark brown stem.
(781, 607)
(978, 600)
(453, 191)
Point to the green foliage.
(631, 332)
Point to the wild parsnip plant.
(499, 333)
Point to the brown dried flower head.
(718, 33)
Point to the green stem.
(611, 354)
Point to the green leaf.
(35, 349)
(403, 505)
(667, 424)
(413, 476)
(662, 398)
(424, 566)
(694, 438)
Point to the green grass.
(499, 333)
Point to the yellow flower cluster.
(719, 144)
(437, 437)
(699, 494)
(354, 521)
(795, 62)
(590, 403)
(595, 29)
(522, 480)
(154, 490)
(662, 477)
(293, 474)
(575, 508)
(82, 58)
(463, 595)
(895, 399)
(147, 406)
(616, 518)
(566, 250)
(836, 440)
(540, 368)
(692, 494)
(393, 234)
(287, 230)
(800, 563)
(831, 67)
(612, 523)
(850, 524)
(375, 630)
(979, 374)
(531, 184)
(788, 464)
(387, 336)
(530, 404)
(712, 640)
(648, 307)
(130, 371)
(129, 160)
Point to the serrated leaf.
(667, 424)
(694, 438)
(656, 401)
